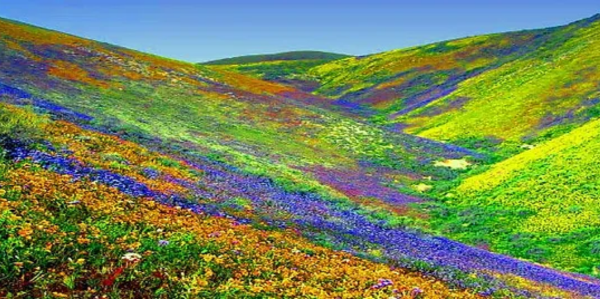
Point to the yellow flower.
(25, 232)
(208, 273)
(208, 257)
(2, 192)
(60, 295)
(201, 282)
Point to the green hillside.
(281, 71)
(281, 67)
(291, 55)
(233, 117)
(541, 204)
(507, 88)
(539, 95)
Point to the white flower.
(132, 257)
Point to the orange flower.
(25, 232)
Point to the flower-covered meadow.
(109, 244)
(124, 174)
(75, 224)
(87, 214)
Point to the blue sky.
(204, 30)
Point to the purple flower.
(214, 234)
(416, 292)
(163, 243)
(151, 173)
(381, 283)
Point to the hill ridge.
(279, 56)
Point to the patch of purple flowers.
(381, 283)
(341, 223)
(151, 173)
(21, 97)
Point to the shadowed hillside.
(292, 55)
(281, 67)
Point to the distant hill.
(292, 55)
(285, 67)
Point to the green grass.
(19, 124)
(275, 70)
(541, 204)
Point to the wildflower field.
(408, 174)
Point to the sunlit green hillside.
(507, 88)
(541, 204)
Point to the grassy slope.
(555, 86)
(282, 71)
(388, 80)
(246, 121)
(540, 205)
(516, 87)
(281, 67)
(78, 203)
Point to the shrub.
(19, 126)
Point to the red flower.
(111, 279)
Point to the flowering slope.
(541, 204)
(264, 127)
(534, 98)
(73, 180)
(478, 91)
(109, 244)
